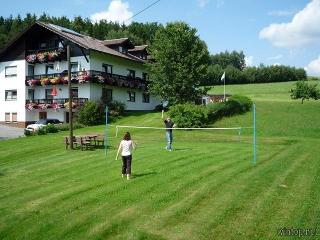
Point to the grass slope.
(206, 188)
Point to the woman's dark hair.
(127, 136)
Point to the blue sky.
(269, 32)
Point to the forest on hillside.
(232, 63)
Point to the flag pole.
(224, 88)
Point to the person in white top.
(127, 145)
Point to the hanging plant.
(66, 105)
(33, 82)
(42, 57)
(32, 58)
(45, 81)
(31, 106)
(55, 80)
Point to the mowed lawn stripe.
(219, 198)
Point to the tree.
(224, 59)
(180, 63)
(305, 91)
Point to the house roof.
(138, 48)
(79, 39)
(118, 41)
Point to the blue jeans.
(169, 140)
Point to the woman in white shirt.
(127, 145)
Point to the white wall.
(119, 65)
(34, 114)
(12, 83)
(63, 65)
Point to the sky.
(271, 32)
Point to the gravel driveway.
(10, 132)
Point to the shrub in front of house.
(236, 104)
(189, 115)
(89, 114)
(116, 109)
(52, 128)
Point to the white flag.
(223, 76)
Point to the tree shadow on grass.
(143, 174)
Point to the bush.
(42, 131)
(116, 109)
(235, 105)
(65, 126)
(28, 133)
(89, 114)
(189, 115)
(52, 128)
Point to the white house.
(33, 74)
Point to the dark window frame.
(145, 97)
(12, 98)
(30, 67)
(48, 92)
(105, 94)
(31, 93)
(131, 96)
(106, 67)
(11, 75)
(74, 90)
(49, 66)
(131, 73)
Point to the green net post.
(106, 134)
(254, 136)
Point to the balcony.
(45, 55)
(90, 76)
(55, 104)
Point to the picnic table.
(87, 141)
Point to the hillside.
(207, 188)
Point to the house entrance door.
(42, 115)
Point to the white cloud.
(313, 68)
(279, 56)
(302, 30)
(281, 13)
(249, 61)
(203, 3)
(118, 11)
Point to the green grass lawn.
(207, 188)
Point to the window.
(7, 117)
(43, 45)
(107, 94)
(31, 95)
(107, 68)
(145, 76)
(49, 69)
(74, 66)
(145, 97)
(48, 93)
(131, 96)
(11, 95)
(131, 73)
(11, 71)
(30, 70)
(14, 117)
(74, 92)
